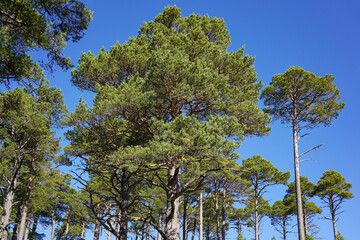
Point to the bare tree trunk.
(207, 232)
(284, 229)
(97, 224)
(34, 226)
(27, 230)
(25, 210)
(300, 218)
(160, 226)
(67, 224)
(256, 218)
(201, 217)
(16, 225)
(305, 223)
(53, 221)
(223, 217)
(185, 223)
(147, 231)
(8, 200)
(172, 223)
(112, 222)
(124, 205)
(82, 231)
(333, 219)
(194, 230)
(217, 216)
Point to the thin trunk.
(160, 226)
(284, 229)
(207, 232)
(185, 223)
(238, 227)
(8, 200)
(172, 223)
(147, 231)
(53, 221)
(97, 224)
(306, 228)
(256, 218)
(27, 230)
(24, 211)
(194, 230)
(34, 226)
(201, 217)
(67, 223)
(82, 231)
(112, 222)
(217, 216)
(124, 205)
(16, 225)
(333, 219)
(300, 218)
(223, 217)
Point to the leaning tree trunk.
(97, 224)
(201, 217)
(172, 223)
(34, 226)
(24, 211)
(9, 198)
(82, 231)
(300, 219)
(194, 230)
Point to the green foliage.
(171, 100)
(339, 236)
(333, 190)
(240, 236)
(308, 237)
(301, 97)
(26, 26)
(273, 238)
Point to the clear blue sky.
(320, 36)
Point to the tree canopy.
(28, 26)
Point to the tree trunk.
(185, 223)
(300, 219)
(53, 223)
(201, 217)
(217, 216)
(172, 223)
(25, 210)
(284, 229)
(124, 205)
(160, 226)
(16, 225)
(194, 230)
(147, 231)
(305, 222)
(27, 230)
(223, 217)
(82, 231)
(97, 223)
(34, 226)
(9, 198)
(207, 232)
(333, 219)
(67, 224)
(256, 218)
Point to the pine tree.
(333, 191)
(305, 101)
(37, 25)
(261, 174)
(170, 100)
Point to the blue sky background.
(320, 36)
